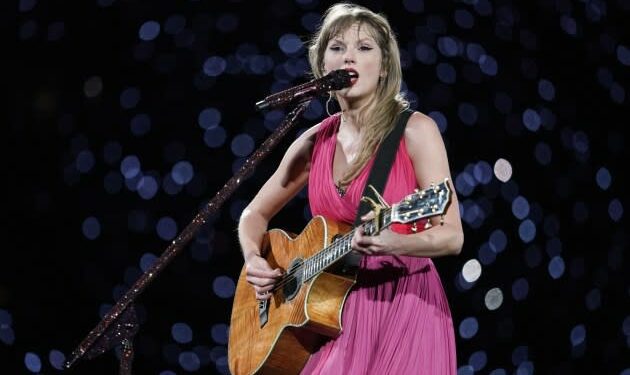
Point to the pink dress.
(396, 320)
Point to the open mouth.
(353, 75)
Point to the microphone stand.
(120, 324)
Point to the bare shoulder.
(303, 145)
(309, 134)
(421, 133)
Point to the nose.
(348, 56)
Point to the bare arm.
(290, 177)
(428, 154)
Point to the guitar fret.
(343, 246)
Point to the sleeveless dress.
(396, 319)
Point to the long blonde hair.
(379, 115)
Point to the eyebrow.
(337, 40)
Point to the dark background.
(555, 108)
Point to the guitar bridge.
(263, 312)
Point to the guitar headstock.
(422, 203)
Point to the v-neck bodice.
(323, 197)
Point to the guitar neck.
(341, 246)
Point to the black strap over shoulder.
(378, 177)
(383, 164)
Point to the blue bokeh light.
(214, 66)
(220, 333)
(467, 113)
(520, 207)
(228, 22)
(147, 187)
(189, 361)
(242, 145)
(85, 161)
(209, 118)
(166, 228)
(478, 360)
(527, 231)
(546, 90)
(520, 289)
(7, 335)
(578, 335)
(425, 54)
(57, 359)
(603, 178)
(446, 73)
(615, 209)
(488, 65)
(482, 172)
(149, 31)
(147, 260)
(182, 172)
(91, 228)
(520, 354)
(215, 137)
(33, 362)
(556, 267)
(130, 166)
(310, 21)
(486, 255)
(181, 333)
(543, 153)
(130, 97)
(468, 327)
(568, 24)
(440, 120)
(223, 286)
(140, 124)
(531, 119)
(414, 6)
(290, 44)
(498, 241)
(464, 19)
(26, 5)
(593, 299)
(525, 368)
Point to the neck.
(350, 110)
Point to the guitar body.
(299, 316)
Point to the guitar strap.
(378, 177)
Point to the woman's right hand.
(261, 276)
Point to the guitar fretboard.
(329, 255)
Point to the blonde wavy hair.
(379, 116)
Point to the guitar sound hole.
(293, 280)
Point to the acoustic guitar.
(277, 336)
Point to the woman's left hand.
(383, 243)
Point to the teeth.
(353, 75)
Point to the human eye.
(335, 48)
(365, 48)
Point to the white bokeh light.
(471, 270)
(494, 299)
(503, 170)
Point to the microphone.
(335, 80)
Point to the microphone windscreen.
(339, 79)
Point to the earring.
(328, 102)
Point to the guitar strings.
(289, 276)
